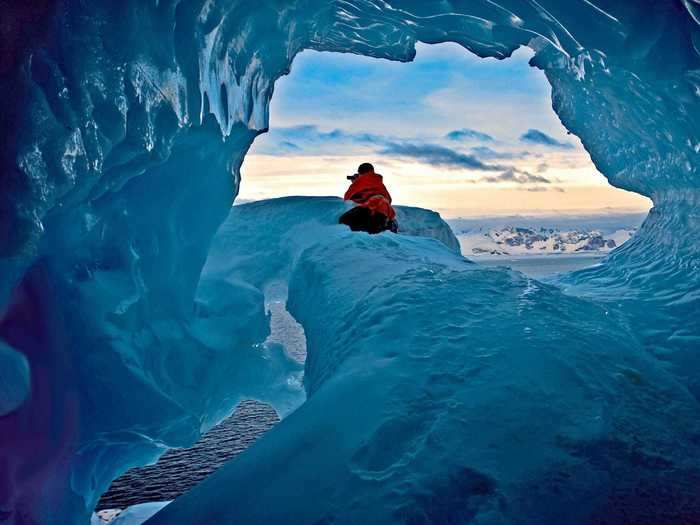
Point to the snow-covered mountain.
(543, 236)
(514, 240)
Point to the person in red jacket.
(373, 213)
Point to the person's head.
(365, 167)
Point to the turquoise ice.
(441, 391)
(124, 126)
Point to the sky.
(451, 132)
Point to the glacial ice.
(14, 379)
(442, 391)
(134, 515)
(124, 125)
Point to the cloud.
(287, 145)
(548, 188)
(484, 152)
(542, 167)
(312, 134)
(311, 140)
(468, 134)
(438, 156)
(517, 176)
(535, 136)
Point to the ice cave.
(434, 391)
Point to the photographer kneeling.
(373, 213)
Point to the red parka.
(368, 190)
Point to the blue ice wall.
(123, 128)
(655, 279)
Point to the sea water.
(537, 266)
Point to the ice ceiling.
(124, 125)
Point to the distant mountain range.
(499, 236)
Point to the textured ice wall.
(441, 391)
(655, 279)
(123, 127)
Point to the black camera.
(352, 177)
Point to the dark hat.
(365, 167)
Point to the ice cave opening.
(124, 128)
(474, 139)
(450, 131)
